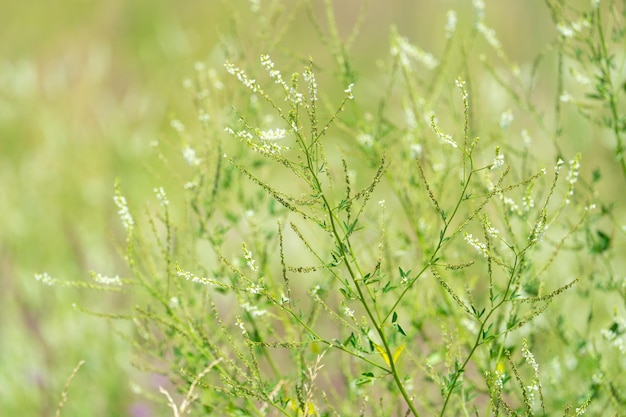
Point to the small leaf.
(596, 175)
(394, 317)
(400, 329)
(602, 244)
(366, 377)
(388, 287)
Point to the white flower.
(309, 78)
(249, 259)
(442, 136)
(416, 150)
(498, 160)
(450, 23)
(564, 30)
(243, 77)
(161, 196)
(105, 280)
(477, 244)
(123, 211)
(348, 91)
(190, 156)
(273, 134)
(506, 118)
(365, 139)
(177, 125)
(241, 325)
(45, 279)
(489, 35)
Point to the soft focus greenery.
(91, 92)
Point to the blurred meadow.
(87, 88)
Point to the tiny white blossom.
(243, 77)
(253, 310)
(580, 78)
(506, 118)
(249, 259)
(46, 279)
(498, 160)
(177, 125)
(189, 154)
(565, 30)
(416, 150)
(479, 7)
(365, 139)
(255, 289)
(572, 176)
(161, 196)
(309, 78)
(442, 136)
(477, 244)
(273, 134)
(529, 357)
(105, 280)
(348, 91)
(187, 84)
(203, 116)
(450, 23)
(500, 374)
(460, 83)
(404, 50)
(489, 35)
(241, 325)
(123, 211)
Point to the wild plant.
(323, 259)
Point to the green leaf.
(400, 329)
(365, 378)
(602, 244)
(388, 287)
(596, 175)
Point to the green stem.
(606, 71)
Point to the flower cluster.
(450, 23)
(46, 279)
(123, 211)
(162, 197)
(404, 50)
(268, 147)
(243, 77)
(247, 254)
(105, 280)
(293, 95)
(190, 156)
(444, 137)
(477, 244)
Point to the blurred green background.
(85, 87)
